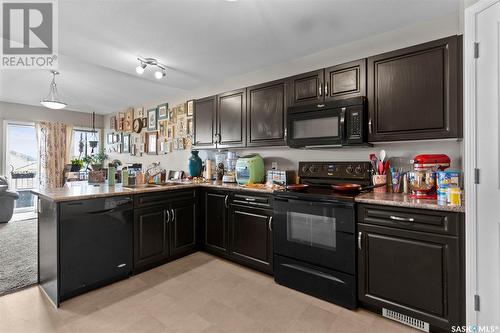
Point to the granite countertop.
(83, 190)
(403, 200)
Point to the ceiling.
(200, 41)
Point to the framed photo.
(133, 149)
(170, 132)
(128, 120)
(178, 144)
(119, 121)
(180, 130)
(172, 114)
(163, 111)
(152, 119)
(151, 143)
(162, 128)
(145, 122)
(118, 138)
(112, 122)
(181, 109)
(190, 126)
(190, 108)
(139, 112)
(111, 138)
(126, 143)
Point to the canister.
(111, 174)
(448, 178)
(454, 196)
(124, 177)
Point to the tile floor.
(198, 293)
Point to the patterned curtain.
(54, 140)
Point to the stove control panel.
(335, 170)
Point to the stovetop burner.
(320, 175)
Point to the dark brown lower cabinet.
(404, 269)
(251, 236)
(163, 230)
(150, 236)
(183, 227)
(215, 221)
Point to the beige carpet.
(18, 255)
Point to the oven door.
(313, 128)
(319, 233)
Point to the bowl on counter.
(422, 184)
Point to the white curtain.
(54, 141)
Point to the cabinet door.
(215, 221)
(413, 273)
(266, 112)
(346, 80)
(306, 88)
(251, 236)
(204, 122)
(150, 236)
(413, 93)
(231, 119)
(182, 227)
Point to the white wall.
(288, 158)
(28, 113)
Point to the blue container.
(448, 178)
(195, 164)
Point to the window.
(81, 142)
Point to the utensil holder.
(379, 179)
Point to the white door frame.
(470, 161)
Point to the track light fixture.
(160, 72)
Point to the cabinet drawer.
(151, 199)
(439, 222)
(251, 199)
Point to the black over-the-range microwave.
(332, 124)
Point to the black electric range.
(314, 232)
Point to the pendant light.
(52, 100)
(93, 143)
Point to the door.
(319, 233)
(231, 119)
(410, 272)
(204, 122)
(215, 221)
(487, 160)
(413, 93)
(150, 236)
(250, 232)
(306, 88)
(346, 80)
(182, 227)
(266, 112)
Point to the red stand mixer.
(422, 180)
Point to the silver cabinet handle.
(403, 219)
(370, 126)
(326, 89)
(226, 198)
(360, 237)
(220, 138)
(168, 215)
(173, 215)
(320, 90)
(270, 223)
(215, 138)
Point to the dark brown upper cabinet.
(266, 112)
(345, 80)
(306, 88)
(231, 119)
(204, 122)
(414, 93)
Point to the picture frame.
(181, 125)
(144, 122)
(190, 108)
(179, 144)
(118, 138)
(170, 132)
(119, 121)
(190, 127)
(181, 109)
(152, 119)
(163, 111)
(126, 143)
(112, 122)
(151, 143)
(128, 120)
(139, 112)
(172, 114)
(111, 138)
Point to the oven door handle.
(314, 272)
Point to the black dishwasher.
(95, 243)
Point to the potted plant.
(76, 164)
(98, 160)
